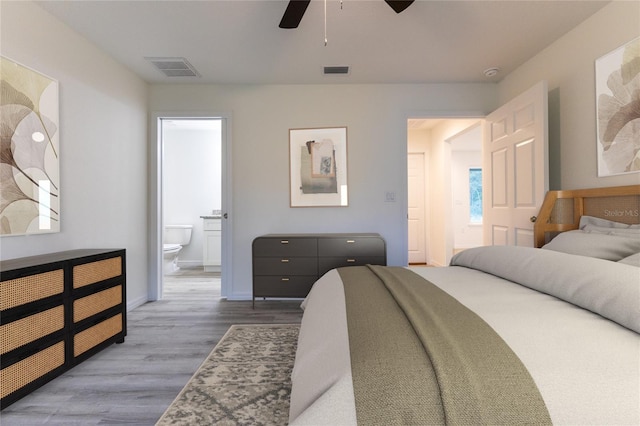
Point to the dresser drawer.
(351, 246)
(20, 291)
(289, 247)
(26, 330)
(94, 272)
(281, 286)
(285, 266)
(96, 334)
(95, 303)
(325, 264)
(28, 370)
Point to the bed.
(504, 335)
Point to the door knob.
(533, 218)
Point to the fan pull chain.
(325, 23)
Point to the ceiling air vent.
(336, 70)
(174, 67)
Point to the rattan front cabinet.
(55, 311)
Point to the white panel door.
(416, 208)
(515, 159)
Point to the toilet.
(174, 238)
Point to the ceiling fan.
(296, 8)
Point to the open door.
(515, 164)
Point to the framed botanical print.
(618, 110)
(30, 178)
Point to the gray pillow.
(602, 246)
(604, 223)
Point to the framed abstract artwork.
(318, 167)
(618, 110)
(29, 126)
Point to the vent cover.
(336, 70)
(174, 67)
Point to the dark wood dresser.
(287, 265)
(56, 310)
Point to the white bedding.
(579, 344)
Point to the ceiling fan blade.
(399, 5)
(293, 14)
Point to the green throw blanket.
(418, 357)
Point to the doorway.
(440, 142)
(191, 188)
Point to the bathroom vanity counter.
(212, 242)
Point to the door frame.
(155, 283)
(444, 115)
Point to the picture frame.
(30, 184)
(318, 167)
(617, 78)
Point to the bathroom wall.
(191, 181)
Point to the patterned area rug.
(245, 380)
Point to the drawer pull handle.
(284, 241)
(351, 260)
(284, 260)
(351, 241)
(284, 279)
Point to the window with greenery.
(475, 195)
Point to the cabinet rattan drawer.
(30, 288)
(94, 272)
(93, 336)
(26, 330)
(53, 305)
(95, 303)
(18, 375)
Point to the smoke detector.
(174, 67)
(491, 72)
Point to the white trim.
(154, 289)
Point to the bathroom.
(191, 193)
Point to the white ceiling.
(239, 41)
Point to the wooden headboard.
(561, 210)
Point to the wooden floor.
(134, 382)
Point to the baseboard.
(189, 263)
(132, 304)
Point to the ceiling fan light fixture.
(399, 5)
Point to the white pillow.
(630, 232)
(604, 223)
(602, 246)
(634, 260)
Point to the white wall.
(103, 134)
(440, 234)
(376, 118)
(192, 183)
(569, 67)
